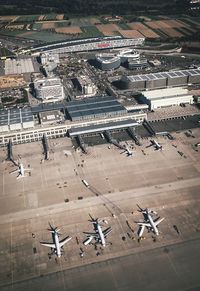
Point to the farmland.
(56, 27)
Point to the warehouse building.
(16, 119)
(166, 97)
(161, 79)
(94, 107)
(49, 89)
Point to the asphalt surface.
(165, 181)
(174, 267)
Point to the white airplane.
(56, 245)
(99, 235)
(156, 145)
(127, 151)
(149, 222)
(21, 171)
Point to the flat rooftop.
(18, 66)
(94, 106)
(16, 115)
(163, 75)
(102, 127)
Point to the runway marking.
(11, 263)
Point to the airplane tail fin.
(93, 220)
(140, 208)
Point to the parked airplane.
(56, 245)
(99, 235)
(149, 222)
(156, 145)
(127, 151)
(21, 171)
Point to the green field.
(37, 26)
(65, 23)
(27, 18)
(45, 36)
(51, 16)
(90, 31)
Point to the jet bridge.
(149, 128)
(10, 152)
(81, 143)
(45, 146)
(131, 132)
(109, 138)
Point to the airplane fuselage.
(155, 230)
(57, 244)
(103, 242)
(21, 169)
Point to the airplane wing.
(91, 234)
(19, 176)
(50, 245)
(88, 240)
(15, 171)
(64, 241)
(159, 221)
(107, 231)
(141, 230)
(144, 224)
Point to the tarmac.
(164, 181)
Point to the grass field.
(27, 18)
(90, 31)
(45, 36)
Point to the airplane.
(127, 151)
(21, 171)
(149, 222)
(99, 235)
(56, 245)
(156, 145)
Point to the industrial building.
(16, 119)
(89, 44)
(49, 89)
(161, 79)
(85, 85)
(94, 107)
(108, 62)
(166, 97)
